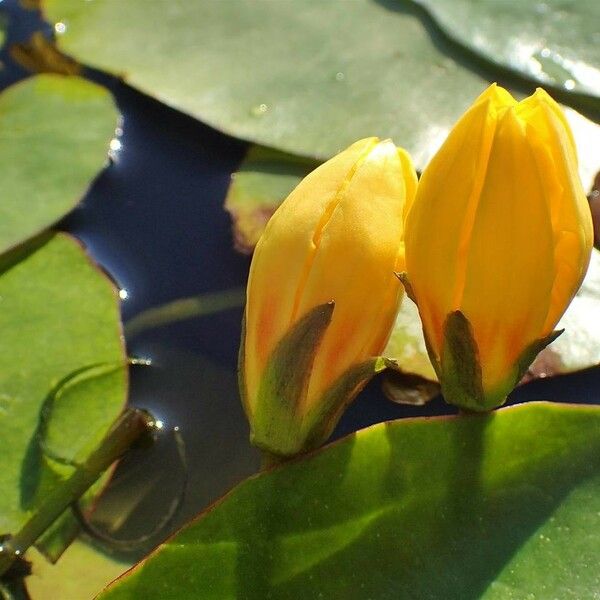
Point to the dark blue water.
(154, 220)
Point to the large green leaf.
(555, 42)
(54, 138)
(505, 505)
(307, 78)
(62, 368)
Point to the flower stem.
(124, 432)
(269, 460)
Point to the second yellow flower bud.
(497, 243)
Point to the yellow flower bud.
(501, 231)
(337, 238)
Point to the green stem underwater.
(130, 426)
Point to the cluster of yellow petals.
(500, 229)
(337, 237)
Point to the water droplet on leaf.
(259, 110)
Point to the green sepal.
(320, 421)
(460, 375)
(529, 354)
(275, 421)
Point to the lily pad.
(554, 42)
(63, 374)
(308, 80)
(265, 178)
(54, 139)
(82, 572)
(404, 509)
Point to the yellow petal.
(279, 265)
(529, 111)
(500, 229)
(439, 223)
(510, 267)
(409, 176)
(357, 253)
(498, 98)
(549, 138)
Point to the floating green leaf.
(505, 505)
(54, 136)
(344, 74)
(307, 79)
(263, 180)
(82, 572)
(554, 42)
(62, 368)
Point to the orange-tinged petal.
(337, 237)
(510, 264)
(354, 265)
(281, 255)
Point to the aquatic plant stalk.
(130, 426)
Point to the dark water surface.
(154, 220)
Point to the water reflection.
(186, 390)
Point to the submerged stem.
(124, 432)
(185, 308)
